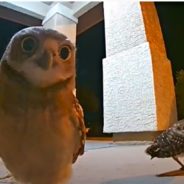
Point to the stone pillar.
(61, 18)
(138, 85)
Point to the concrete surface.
(123, 163)
(108, 163)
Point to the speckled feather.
(170, 143)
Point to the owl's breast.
(38, 139)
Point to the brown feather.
(42, 129)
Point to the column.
(138, 85)
(61, 18)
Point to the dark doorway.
(90, 52)
(7, 30)
(171, 16)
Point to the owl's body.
(170, 143)
(41, 123)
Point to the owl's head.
(43, 57)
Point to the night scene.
(91, 92)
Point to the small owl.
(169, 144)
(42, 130)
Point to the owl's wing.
(81, 128)
(174, 135)
(170, 142)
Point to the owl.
(42, 130)
(170, 143)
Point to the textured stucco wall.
(124, 26)
(129, 100)
(163, 80)
(164, 91)
(138, 85)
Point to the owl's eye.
(29, 44)
(65, 53)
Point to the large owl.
(42, 131)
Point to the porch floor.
(118, 163)
(105, 162)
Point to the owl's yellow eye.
(29, 44)
(65, 53)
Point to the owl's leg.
(179, 162)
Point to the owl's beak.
(46, 60)
(50, 52)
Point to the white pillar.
(138, 85)
(61, 19)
